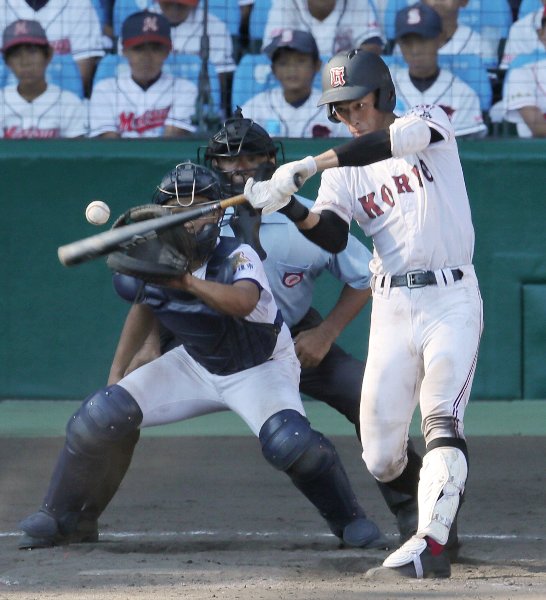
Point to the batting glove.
(288, 178)
(265, 197)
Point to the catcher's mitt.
(159, 258)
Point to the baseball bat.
(131, 235)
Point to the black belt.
(417, 279)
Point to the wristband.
(294, 210)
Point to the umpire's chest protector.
(221, 343)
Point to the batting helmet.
(349, 76)
(187, 180)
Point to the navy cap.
(24, 32)
(144, 27)
(301, 41)
(419, 19)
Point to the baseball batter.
(402, 181)
(233, 352)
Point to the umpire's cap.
(352, 75)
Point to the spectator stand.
(258, 20)
(254, 75)
(528, 6)
(62, 71)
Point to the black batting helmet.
(350, 76)
(187, 180)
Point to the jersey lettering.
(387, 196)
(61, 46)
(369, 206)
(426, 171)
(149, 120)
(18, 133)
(415, 171)
(402, 184)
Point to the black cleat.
(41, 530)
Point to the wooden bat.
(127, 236)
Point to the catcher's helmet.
(350, 76)
(187, 180)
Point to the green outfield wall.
(59, 326)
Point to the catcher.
(233, 352)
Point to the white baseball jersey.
(523, 38)
(122, 106)
(459, 100)
(71, 26)
(415, 208)
(347, 26)
(525, 86)
(280, 118)
(56, 113)
(466, 41)
(186, 38)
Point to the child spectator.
(291, 110)
(418, 30)
(34, 108)
(187, 18)
(336, 25)
(71, 26)
(524, 37)
(457, 38)
(144, 102)
(525, 93)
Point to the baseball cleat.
(364, 533)
(407, 518)
(41, 530)
(416, 559)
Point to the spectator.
(144, 102)
(335, 24)
(457, 38)
(71, 26)
(524, 37)
(187, 18)
(525, 93)
(418, 30)
(34, 108)
(291, 110)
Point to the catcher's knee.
(290, 445)
(106, 416)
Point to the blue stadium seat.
(186, 66)
(258, 19)
(62, 71)
(467, 67)
(528, 6)
(253, 75)
(3, 72)
(124, 8)
(228, 12)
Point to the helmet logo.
(337, 76)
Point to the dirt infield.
(206, 517)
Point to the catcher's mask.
(238, 137)
(184, 186)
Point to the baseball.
(97, 212)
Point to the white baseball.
(97, 212)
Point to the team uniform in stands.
(523, 38)
(72, 26)
(525, 86)
(350, 24)
(280, 118)
(459, 100)
(120, 105)
(55, 114)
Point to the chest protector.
(221, 343)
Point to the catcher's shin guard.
(312, 463)
(441, 486)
